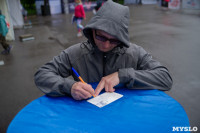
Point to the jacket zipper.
(104, 63)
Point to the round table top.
(138, 111)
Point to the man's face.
(104, 41)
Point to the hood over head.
(112, 18)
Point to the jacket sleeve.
(53, 78)
(150, 74)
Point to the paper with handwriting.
(105, 99)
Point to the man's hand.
(81, 91)
(107, 82)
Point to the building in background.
(191, 4)
(140, 1)
(183, 4)
(173, 4)
(54, 5)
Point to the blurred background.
(41, 29)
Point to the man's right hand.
(81, 91)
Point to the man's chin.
(104, 50)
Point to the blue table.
(138, 111)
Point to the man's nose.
(106, 44)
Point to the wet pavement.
(172, 37)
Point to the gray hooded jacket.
(137, 69)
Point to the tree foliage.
(29, 6)
(28, 3)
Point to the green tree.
(119, 1)
(29, 5)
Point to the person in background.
(107, 57)
(139, 2)
(79, 15)
(99, 3)
(24, 12)
(3, 33)
(165, 3)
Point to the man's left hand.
(107, 82)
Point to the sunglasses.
(104, 39)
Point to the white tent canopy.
(11, 9)
(15, 12)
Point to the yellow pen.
(79, 77)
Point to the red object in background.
(167, 0)
(8, 25)
(79, 11)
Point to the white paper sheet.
(105, 99)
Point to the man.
(107, 57)
(165, 3)
(3, 32)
